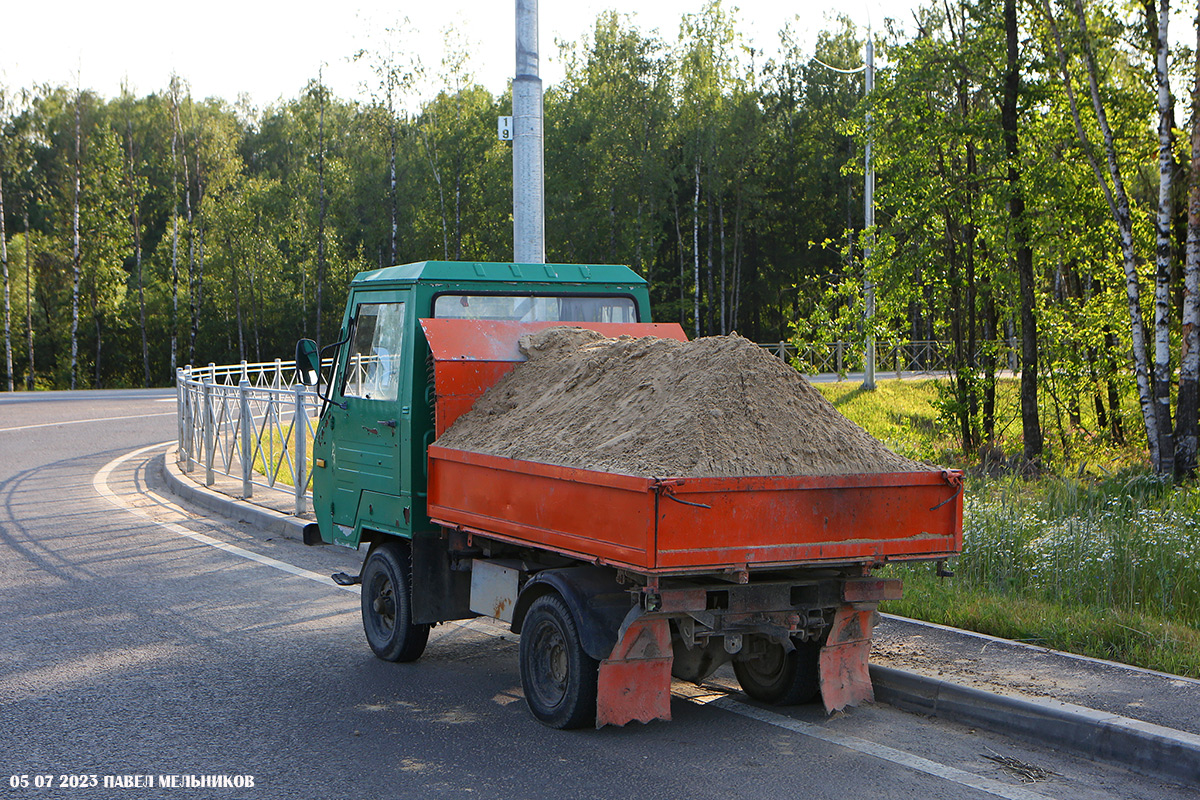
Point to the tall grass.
(1130, 543)
(1101, 559)
(1109, 568)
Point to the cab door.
(365, 420)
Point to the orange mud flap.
(635, 680)
(845, 679)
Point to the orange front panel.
(458, 384)
(590, 515)
(497, 340)
(470, 355)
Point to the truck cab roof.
(492, 272)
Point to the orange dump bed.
(668, 525)
(680, 525)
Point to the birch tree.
(137, 185)
(8, 360)
(1112, 184)
(1165, 463)
(75, 249)
(1189, 359)
(174, 97)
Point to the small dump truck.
(615, 583)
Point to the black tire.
(781, 678)
(387, 604)
(559, 678)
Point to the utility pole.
(869, 224)
(868, 213)
(529, 229)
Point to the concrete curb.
(1141, 746)
(264, 519)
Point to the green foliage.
(732, 183)
(1102, 559)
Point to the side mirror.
(308, 362)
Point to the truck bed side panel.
(590, 515)
(808, 519)
(685, 525)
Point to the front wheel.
(387, 604)
(559, 678)
(770, 674)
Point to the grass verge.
(1102, 559)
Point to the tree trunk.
(696, 252)
(724, 311)
(458, 215)
(7, 307)
(30, 375)
(1162, 274)
(682, 261)
(96, 319)
(196, 226)
(1113, 356)
(1189, 359)
(709, 323)
(320, 211)
(1030, 424)
(135, 215)
(191, 234)
(256, 290)
(392, 197)
(737, 261)
(990, 324)
(972, 234)
(174, 226)
(75, 255)
(237, 296)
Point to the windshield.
(528, 308)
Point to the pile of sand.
(718, 406)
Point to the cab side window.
(376, 350)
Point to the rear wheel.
(770, 674)
(559, 678)
(387, 604)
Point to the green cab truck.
(603, 576)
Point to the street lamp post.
(529, 236)
(868, 214)
(869, 225)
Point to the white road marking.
(880, 751)
(722, 701)
(100, 483)
(81, 421)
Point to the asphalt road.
(140, 638)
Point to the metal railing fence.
(255, 422)
(928, 356)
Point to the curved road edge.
(1110, 738)
(1104, 737)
